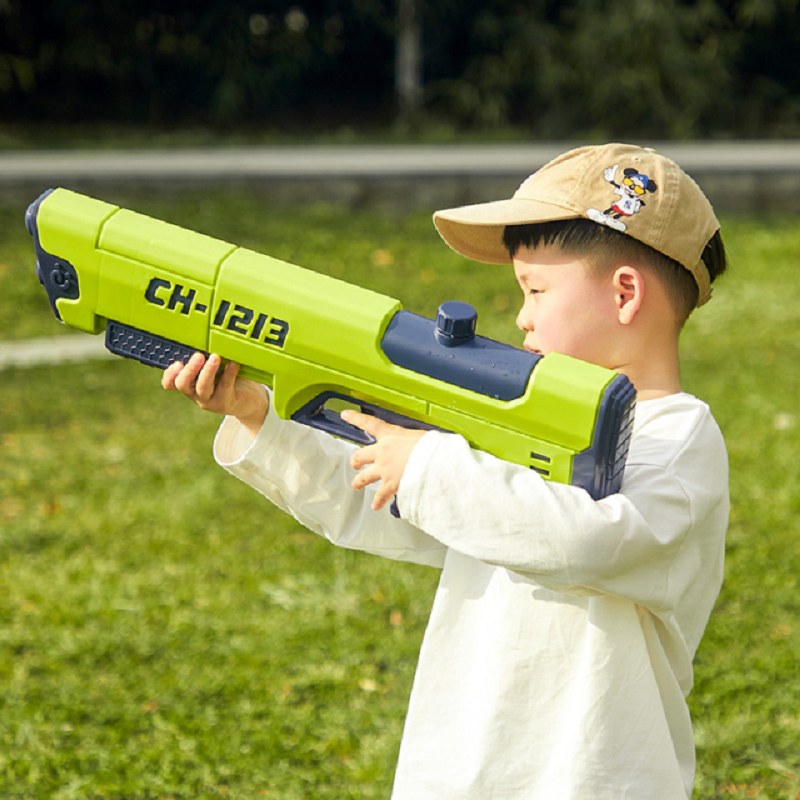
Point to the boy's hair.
(606, 249)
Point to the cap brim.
(476, 231)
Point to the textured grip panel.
(620, 427)
(155, 351)
(600, 469)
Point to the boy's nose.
(524, 321)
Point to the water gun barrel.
(163, 292)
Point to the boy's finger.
(382, 497)
(362, 456)
(206, 380)
(185, 380)
(170, 373)
(229, 375)
(365, 478)
(372, 425)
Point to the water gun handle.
(317, 415)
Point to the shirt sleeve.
(307, 474)
(631, 545)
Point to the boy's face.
(566, 308)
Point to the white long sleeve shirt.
(559, 650)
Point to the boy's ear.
(629, 292)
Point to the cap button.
(455, 323)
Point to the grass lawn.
(167, 634)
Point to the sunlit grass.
(168, 634)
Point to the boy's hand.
(246, 400)
(383, 461)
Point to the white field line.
(52, 350)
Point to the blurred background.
(411, 68)
(164, 632)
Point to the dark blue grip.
(146, 348)
(599, 469)
(316, 415)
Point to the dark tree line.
(645, 67)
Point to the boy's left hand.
(383, 461)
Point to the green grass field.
(167, 634)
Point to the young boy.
(559, 651)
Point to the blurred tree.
(222, 62)
(768, 69)
(408, 69)
(647, 67)
(658, 68)
(666, 68)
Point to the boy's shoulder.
(676, 430)
(680, 405)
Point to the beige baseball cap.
(631, 189)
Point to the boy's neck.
(656, 374)
(655, 394)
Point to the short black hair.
(605, 249)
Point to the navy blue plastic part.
(455, 323)
(58, 277)
(316, 415)
(481, 365)
(599, 469)
(147, 348)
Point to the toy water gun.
(163, 292)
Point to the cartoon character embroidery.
(630, 202)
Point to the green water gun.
(163, 292)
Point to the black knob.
(455, 323)
(61, 277)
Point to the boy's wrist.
(253, 420)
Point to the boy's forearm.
(306, 473)
(252, 421)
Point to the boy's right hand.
(246, 400)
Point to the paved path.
(53, 350)
(361, 161)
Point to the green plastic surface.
(299, 331)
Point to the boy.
(559, 651)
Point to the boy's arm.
(303, 471)
(638, 545)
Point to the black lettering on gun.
(178, 296)
(165, 294)
(222, 312)
(277, 333)
(240, 318)
(259, 326)
(154, 285)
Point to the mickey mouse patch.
(629, 193)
